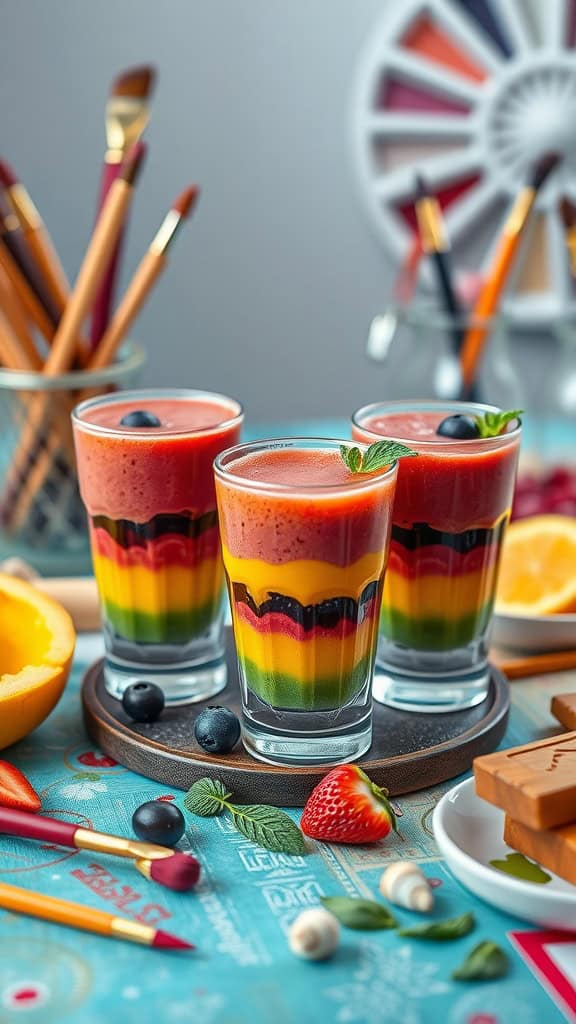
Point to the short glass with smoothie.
(145, 471)
(304, 542)
(451, 509)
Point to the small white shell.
(314, 935)
(404, 884)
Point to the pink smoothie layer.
(452, 485)
(138, 473)
(332, 519)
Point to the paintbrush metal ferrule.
(519, 213)
(102, 842)
(22, 201)
(430, 225)
(166, 231)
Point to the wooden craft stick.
(536, 664)
(553, 848)
(78, 595)
(535, 783)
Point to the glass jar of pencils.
(424, 349)
(42, 519)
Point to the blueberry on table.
(140, 418)
(158, 822)
(459, 427)
(143, 702)
(217, 729)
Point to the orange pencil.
(496, 280)
(75, 915)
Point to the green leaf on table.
(268, 827)
(207, 797)
(491, 424)
(441, 931)
(377, 456)
(361, 914)
(486, 961)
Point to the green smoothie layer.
(433, 634)
(291, 693)
(168, 628)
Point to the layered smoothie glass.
(451, 508)
(145, 471)
(304, 542)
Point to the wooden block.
(553, 848)
(535, 784)
(563, 707)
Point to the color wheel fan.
(472, 93)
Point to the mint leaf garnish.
(362, 914)
(266, 826)
(441, 931)
(378, 455)
(491, 424)
(206, 798)
(486, 961)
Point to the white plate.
(535, 633)
(469, 835)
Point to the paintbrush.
(435, 244)
(175, 870)
(20, 486)
(127, 113)
(76, 915)
(568, 215)
(383, 327)
(14, 312)
(148, 271)
(37, 237)
(497, 277)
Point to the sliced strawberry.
(15, 790)
(346, 807)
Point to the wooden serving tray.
(409, 751)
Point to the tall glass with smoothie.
(145, 471)
(304, 542)
(450, 512)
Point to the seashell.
(314, 935)
(404, 884)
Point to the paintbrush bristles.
(542, 170)
(136, 83)
(568, 213)
(7, 176)
(186, 200)
(179, 872)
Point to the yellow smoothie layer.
(309, 581)
(306, 660)
(171, 588)
(438, 596)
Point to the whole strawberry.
(346, 807)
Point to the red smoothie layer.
(337, 522)
(135, 473)
(452, 485)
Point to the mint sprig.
(491, 424)
(378, 455)
(266, 826)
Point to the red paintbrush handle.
(105, 296)
(32, 826)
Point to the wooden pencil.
(88, 919)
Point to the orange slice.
(36, 647)
(538, 567)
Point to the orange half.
(36, 647)
(538, 567)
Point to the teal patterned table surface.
(242, 971)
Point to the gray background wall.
(271, 288)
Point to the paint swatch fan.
(472, 93)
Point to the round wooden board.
(409, 751)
